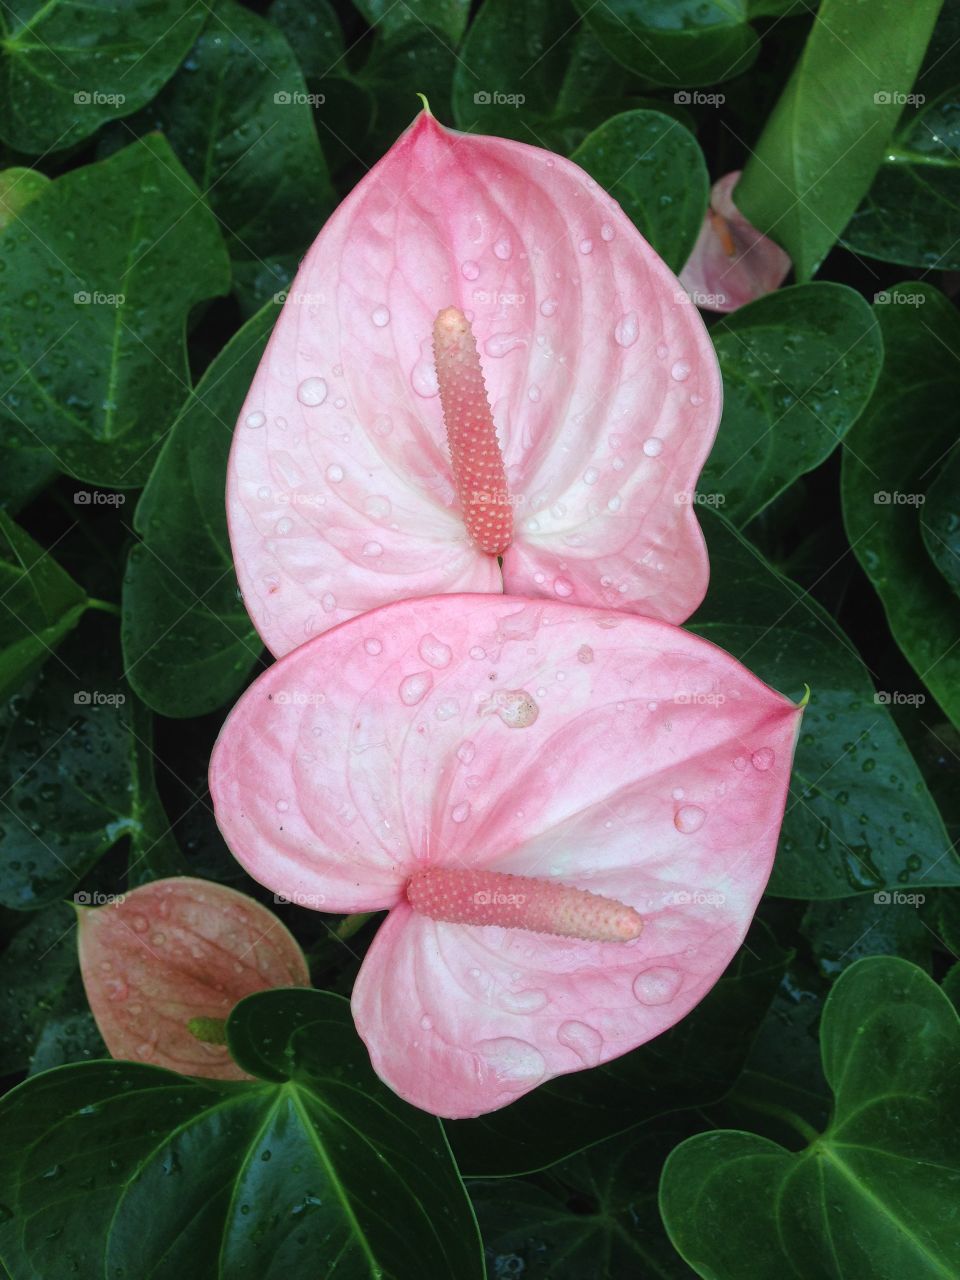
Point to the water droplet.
(585, 654)
(607, 232)
(380, 317)
(434, 652)
(284, 526)
(689, 818)
(627, 329)
(447, 709)
(563, 587)
(312, 391)
(373, 646)
(680, 371)
(503, 249)
(334, 473)
(283, 806)
(470, 270)
(414, 689)
(376, 507)
(653, 447)
(426, 1022)
(423, 375)
(657, 985)
(501, 344)
(513, 1060)
(586, 1042)
(461, 812)
(696, 400)
(586, 245)
(328, 602)
(515, 707)
(662, 350)
(591, 475)
(256, 419)
(528, 1001)
(548, 307)
(763, 759)
(466, 752)
(140, 924)
(372, 549)
(533, 393)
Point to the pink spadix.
(521, 902)
(478, 471)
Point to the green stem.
(789, 1118)
(350, 925)
(105, 606)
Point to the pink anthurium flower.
(164, 965)
(732, 263)
(569, 813)
(480, 357)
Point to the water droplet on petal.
(653, 447)
(501, 344)
(523, 1001)
(586, 1042)
(461, 812)
(373, 646)
(591, 475)
(470, 270)
(334, 473)
(372, 549)
(586, 246)
(689, 818)
(414, 689)
(503, 249)
(627, 329)
(328, 602)
(680, 371)
(513, 1060)
(256, 419)
(657, 985)
(563, 587)
(434, 652)
(312, 391)
(466, 752)
(533, 394)
(548, 307)
(763, 759)
(380, 317)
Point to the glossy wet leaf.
(798, 368)
(569, 84)
(875, 1194)
(812, 165)
(891, 459)
(67, 68)
(886, 923)
(314, 1167)
(72, 776)
(448, 17)
(187, 640)
(677, 43)
(590, 1218)
(654, 167)
(238, 117)
(690, 1065)
(39, 605)
(312, 30)
(940, 525)
(103, 268)
(36, 968)
(17, 188)
(859, 816)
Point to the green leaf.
(690, 1065)
(415, 61)
(40, 605)
(188, 643)
(859, 815)
(827, 135)
(594, 1218)
(92, 379)
(238, 116)
(312, 30)
(35, 970)
(67, 68)
(17, 188)
(875, 1195)
(940, 526)
(446, 16)
(885, 923)
(528, 71)
(315, 1168)
(798, 368)
(72, 777)
(890, 459)
(654, 167)
(678, 42)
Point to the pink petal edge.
(603, 381)
(654, 771)
(177, 949)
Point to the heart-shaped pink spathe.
(579, 749)
(175, 950)
(603, 384)
(732, 263)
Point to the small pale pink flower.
(570, 815)
(164, 965)
(480, 356)
(732, 263)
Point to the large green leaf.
(676, 42)
(875, 1195)
(35, 970)
(798, 368)
(692, 1064)
(654, 167)
(821, 147)
(102, 269)
(188, 643)
(74, 777)
(448, 17)
(66, 68)
(890, 460)
(940, 526)
(315, 1168)
(859, 815)
(238, 116)
(527, 71)
(40, 605)
(886, 923)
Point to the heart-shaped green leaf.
(446, 16)
(821, 147)
(798, 368)
(654, 167)
(188, 643)
(859, 815)
(940, 525)
(874, 1195)
(890, 460)
(102, 269)
(317, 1168)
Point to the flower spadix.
(164, 965)
(732, 263)
(569, 813)
(480, 357)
